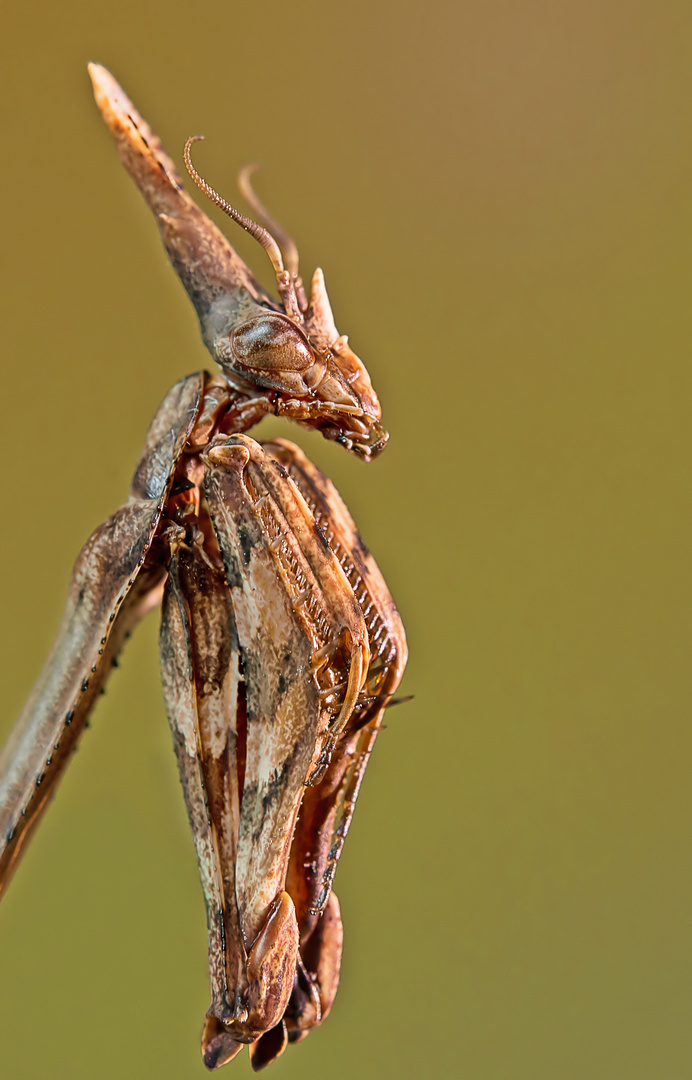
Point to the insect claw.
(356, 675)
(320, 769)
(319, 773)
(322, 655)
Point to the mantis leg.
(291, 602)
(328, 807)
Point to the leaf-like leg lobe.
(272, 964)
(218, 1044)
(319, 978)
(328, 807)
(269, 1047)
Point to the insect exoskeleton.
(280, 644)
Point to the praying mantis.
(280, 644)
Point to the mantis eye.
(267, 350)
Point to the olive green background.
(500, 194)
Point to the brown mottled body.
(280, 644)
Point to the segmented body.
(280, 644)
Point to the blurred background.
(500, 195)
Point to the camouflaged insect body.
(280, 644)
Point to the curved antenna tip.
(286, 242)
(290, 288)
(261, 235)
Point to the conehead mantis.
(280, 644)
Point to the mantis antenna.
(287, 243)
(263, 236)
